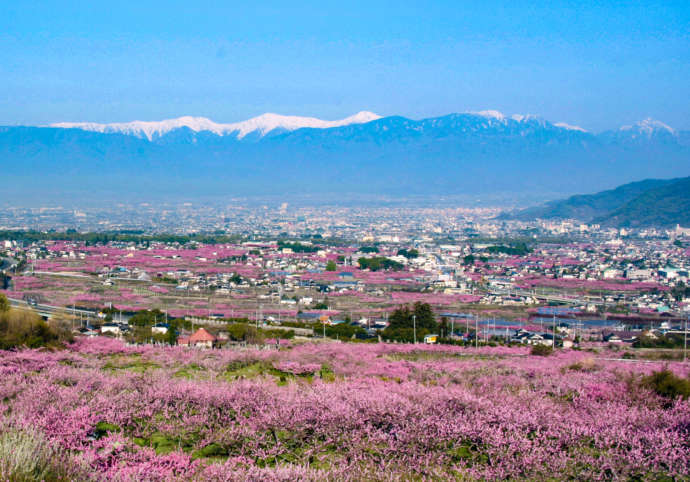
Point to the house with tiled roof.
(200, 339)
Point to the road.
(546, 297)
(49, 310)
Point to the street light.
(414, 328)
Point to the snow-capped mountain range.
(261, 125)
(471, 153)
(268, 123)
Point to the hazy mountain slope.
(665, 206)
(586, 207)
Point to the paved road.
(66, 275)
(547, 297)
(49, 310)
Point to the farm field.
(227, 281)
(332, 411)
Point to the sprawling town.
(340, 273)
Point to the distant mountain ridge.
(275, 123)
(478, 155)
(270, 122)
(652, 202)
(262, 124)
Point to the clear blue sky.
(595, 64)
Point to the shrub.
(25, 328)
(244, 332)
(326, 373)
(585, 365)
(26, 455)
(668, 384)
(668, 340)
(541, 350)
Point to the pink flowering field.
(102, 410)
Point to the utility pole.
(553, 344)
(414, 328)
(685, 340)
(476, 332)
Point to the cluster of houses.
(526, 337)
(201, 338)
(298, 277)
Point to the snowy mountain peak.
(490, 114)
(649, 127)
(148, 129)
(501, 117)
(266, 123)
(262, 124)
(569, 127)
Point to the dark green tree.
(378, 263)
(171, 335)
(425, 316)
(443, 328)
(401, 324)
(409, 254)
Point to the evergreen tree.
(401, 325)
(444, 329)
(425, 316)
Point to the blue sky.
(595, 64)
